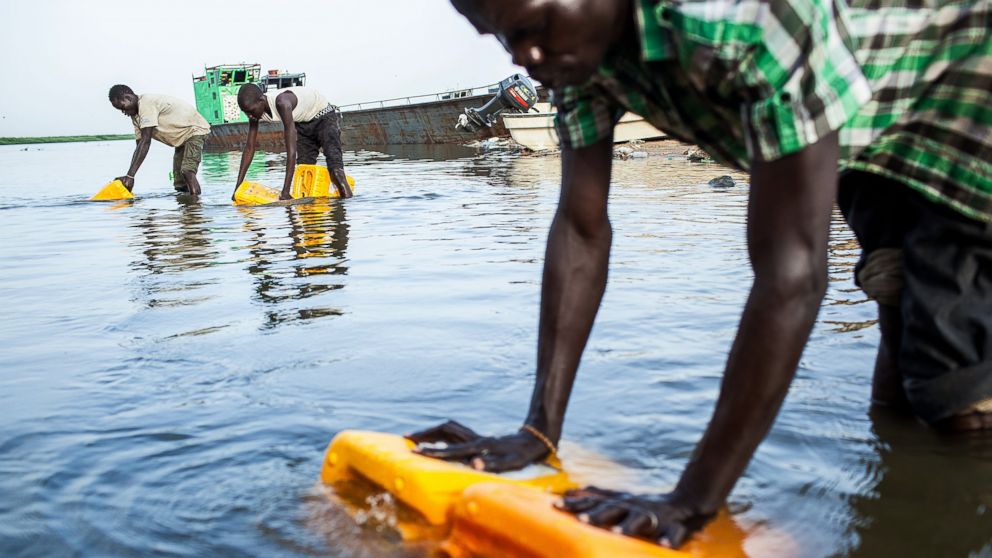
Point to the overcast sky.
(61, 56)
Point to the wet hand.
(453, 441)
(657, 518)
(127, 181)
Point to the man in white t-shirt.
(170, 121)
(310, 124)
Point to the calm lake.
(171, 372)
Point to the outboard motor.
(516, 93)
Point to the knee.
(881, 278)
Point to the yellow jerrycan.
(253, 193)
(314, 181)
(429, 486)
(113, 192)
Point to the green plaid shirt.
(907, 82)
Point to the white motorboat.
(536, 130)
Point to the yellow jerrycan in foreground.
(113, 192)
(487, 515)
(429, 486)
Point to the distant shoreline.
(65, 139)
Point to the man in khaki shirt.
(170, 121)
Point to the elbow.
(800, 286)
(590, 229)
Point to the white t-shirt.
(309, 102)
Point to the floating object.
(486, 515)
(253, 193)
(429, 486)
(112, 192)
(493, 520)
(314, 181)
(309, 181)
(724, 181)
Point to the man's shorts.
(936, 266)
(187, 158)
(320, 133)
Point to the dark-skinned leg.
(886, 386)
(191, 182)
(178, 183)
(340, 180)
(330, 138)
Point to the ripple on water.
(172, 372)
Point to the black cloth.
(945, 354)
(320, 133)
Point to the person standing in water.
(310, 124)
(882, 107)
(170, 121)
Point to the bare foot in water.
(978, 417)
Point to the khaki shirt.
(174, 120)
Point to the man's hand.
(657, 518)
(453, 441)
(127, 181)
(286, 195)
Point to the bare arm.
(575, 270)
(285, 103)
(140, 151)
(248, 154)
(787, 231)
(788, 228)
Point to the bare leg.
(192, 183)
(886, 385)
(340, 180)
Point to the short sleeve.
(814, 88)
(790, 66)
(814, 82)
(148, 114)
(586, 115)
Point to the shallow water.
(171, 372)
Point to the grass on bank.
(65, 139)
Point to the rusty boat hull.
(421, 123)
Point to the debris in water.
(696, 155)
(722, 182)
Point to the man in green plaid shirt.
(882, 106)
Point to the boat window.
(239, 76)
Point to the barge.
(424, 119)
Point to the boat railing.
(418, 99)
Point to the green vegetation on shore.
(64, 139)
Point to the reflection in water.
(931, 494)
(220, 167)
(308, 267)
(172, 242)
(165, 423)
(417, 152)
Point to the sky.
(60, 57)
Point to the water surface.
(171, 372)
